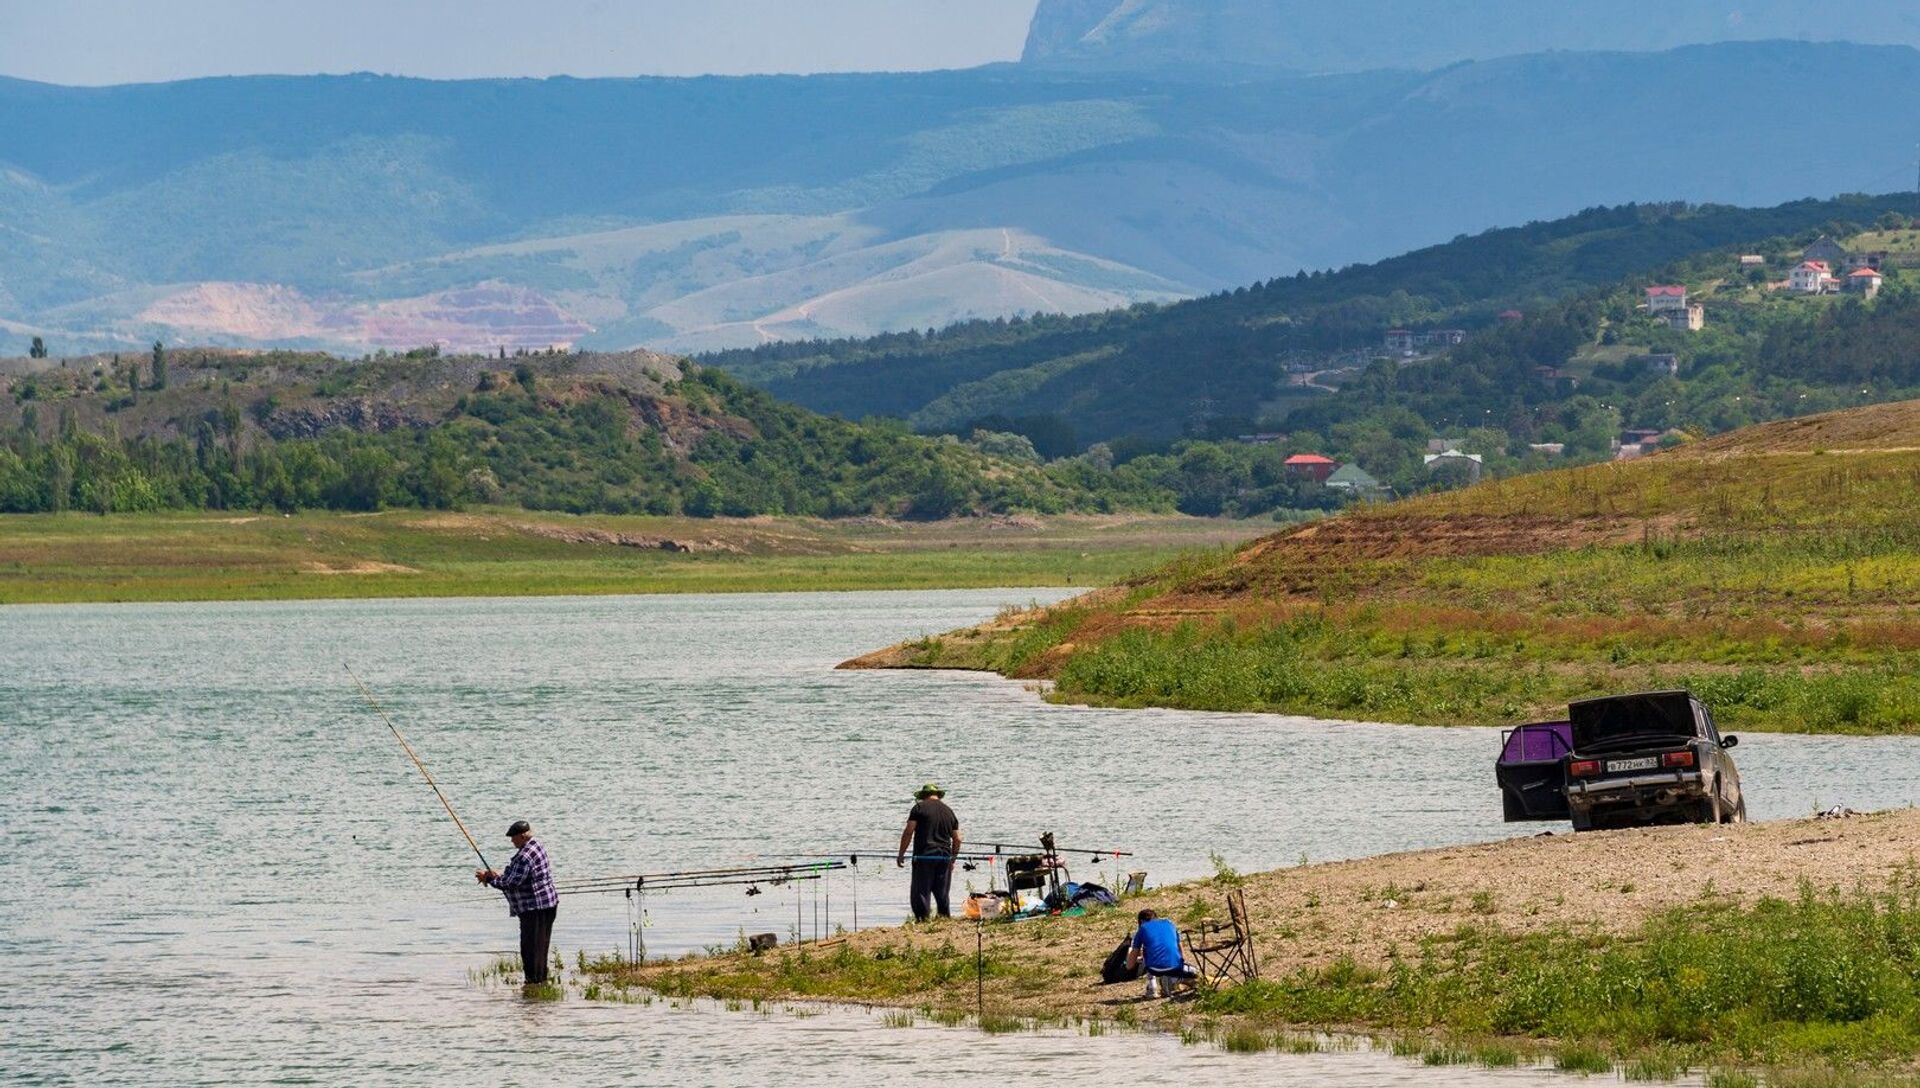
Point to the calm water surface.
(221, 870)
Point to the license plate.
(1616, 765)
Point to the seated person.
(1157, 944)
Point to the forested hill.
(1218, 364)
(624, 433)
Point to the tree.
(159, 365)
(38, 349)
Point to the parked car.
(1622, 761)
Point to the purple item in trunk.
(1538, 743)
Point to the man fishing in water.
(933, 833)
(531, 897)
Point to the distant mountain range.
(1116, 166)
(1227, 37)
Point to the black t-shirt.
(934, 826)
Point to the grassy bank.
(1792, 946)
(1774, 571)
(183, 557)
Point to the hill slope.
(1775, 571)
(1233, 362)
(720, 212)
(628, 433)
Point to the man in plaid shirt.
(531, 897)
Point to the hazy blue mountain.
(361, 211)
(1215, 36)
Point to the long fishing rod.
(768, 873)
(982, 852)
(729, 870)
(424, 773)
(729, 883)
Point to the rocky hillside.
(606, 433)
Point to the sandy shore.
(1368, 909)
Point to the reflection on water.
(221, 869)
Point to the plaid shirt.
(528, 880)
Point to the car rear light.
(1584, 768)
(1677, 759)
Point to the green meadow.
(189, 557)
(1775, 572)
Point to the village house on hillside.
(1825, 251)
(1357, 481)
(1311, 466)
(1811, 278)
(1669, 303)
(1470, 465)
(1404, 342)
(1827, 267)
(1865, 281)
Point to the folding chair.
(1223, 951)
(1136, 883)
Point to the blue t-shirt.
(1159, 945)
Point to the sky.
(96, 42)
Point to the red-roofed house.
(1866, 282)
(1311, 466)
(1511, 316)
(1669, 299)
(1812, 278)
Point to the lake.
(223, 870)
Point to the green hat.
(929, 790)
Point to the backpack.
(1115, 969)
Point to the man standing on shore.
(531, 897)
(933, 834)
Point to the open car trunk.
(1628, 721)
(1532, 771)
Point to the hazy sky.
(131, 41)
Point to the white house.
(1668, 299)
(1812, 278)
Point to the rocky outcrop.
(363, 414)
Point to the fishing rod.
(609, 889)
(986, 851)
(656, 879)
(424, 773)
(774, 875)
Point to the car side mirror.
(1729, 742)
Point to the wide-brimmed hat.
(929, 790)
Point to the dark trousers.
(931, 878)
(536, 934)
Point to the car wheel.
(1708, 811)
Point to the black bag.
(1115, 969)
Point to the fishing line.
(424, 773)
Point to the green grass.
(1820, 982)
(182, 557)
(1779, 582)
(943, 978)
